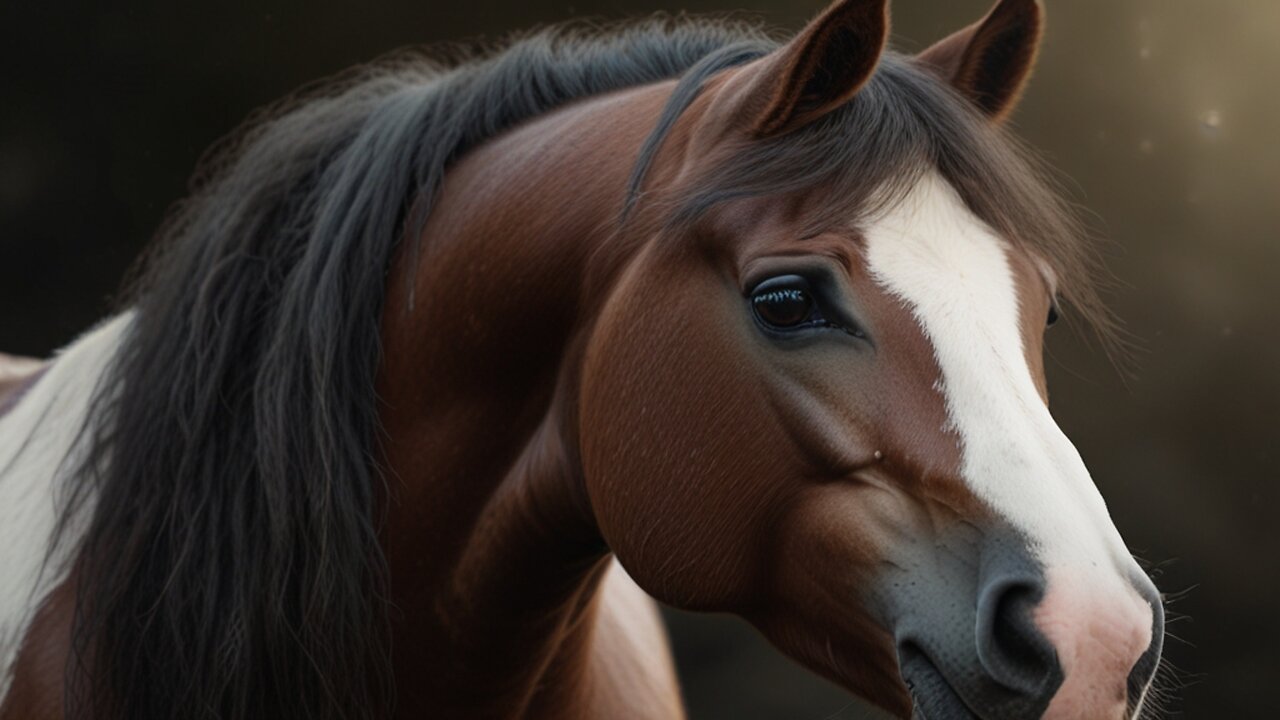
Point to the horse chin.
(932, 696)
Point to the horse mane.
(230, 566)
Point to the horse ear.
(821, 68)
(989, 62)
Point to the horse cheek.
(675, 448)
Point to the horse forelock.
(863, 158)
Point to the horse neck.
(493, 551)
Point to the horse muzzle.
(1072, 642)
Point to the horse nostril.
(1011, 648)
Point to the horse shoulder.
(632, 671)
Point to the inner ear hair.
(990, 61)
(821, 68)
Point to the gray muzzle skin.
(962, 608)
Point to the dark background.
(1164, 114)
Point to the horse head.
(816, 396)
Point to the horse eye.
(784, 303)
(1053, 315)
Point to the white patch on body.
(38, 450)
(633, 673)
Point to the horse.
(452, 368)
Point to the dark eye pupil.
(1053, 316)
(783, 308)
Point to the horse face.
(845, 438)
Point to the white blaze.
(953, 273)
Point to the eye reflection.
(785, 303)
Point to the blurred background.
(1164, 114)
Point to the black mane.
(231, 565)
